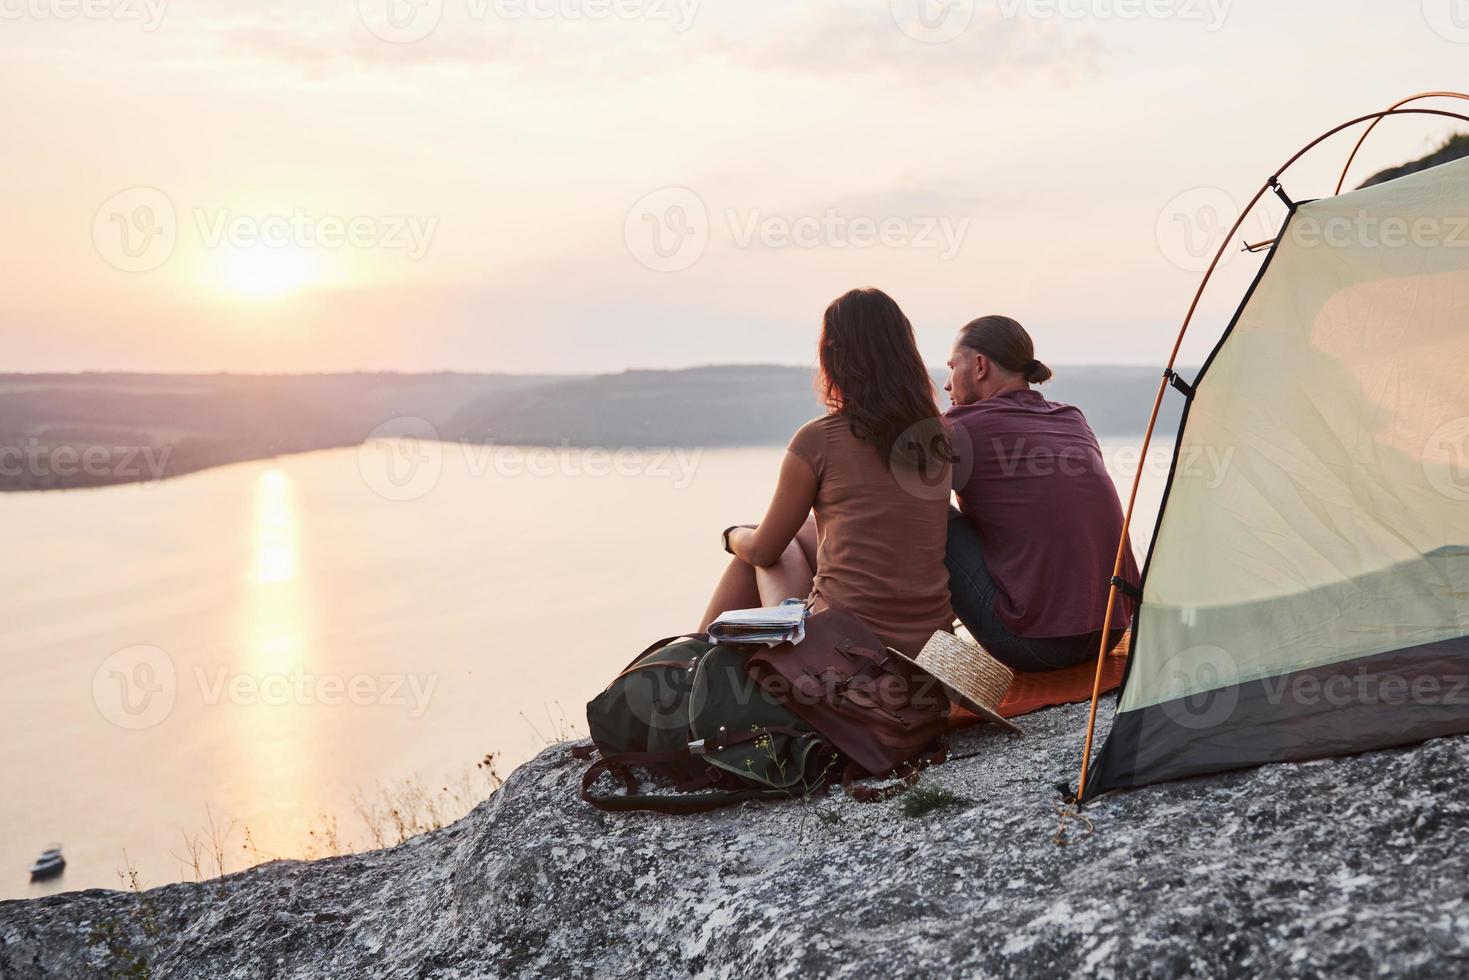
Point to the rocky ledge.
(1346, 867)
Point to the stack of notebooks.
(785, 623)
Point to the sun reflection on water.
(273, 728)
(275, 530)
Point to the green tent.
(1313, 600)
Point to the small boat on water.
(49, 864)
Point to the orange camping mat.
(1034, 690)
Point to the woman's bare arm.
(795, 493)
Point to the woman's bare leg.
(736, 590)
(788, 578)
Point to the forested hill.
(144, 426)
(739, 406)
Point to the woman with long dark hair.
(875, 470)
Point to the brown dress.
(880, 537)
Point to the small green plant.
(811, 791)
(116, 937)
(922, 800)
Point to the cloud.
(316, 45)
(841, 44)
(865, 42)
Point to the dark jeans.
(972, 593)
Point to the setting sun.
(264, 271)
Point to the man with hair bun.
(1031, 548)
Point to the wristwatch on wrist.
(725, 537)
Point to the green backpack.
(687, 711)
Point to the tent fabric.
(1310, 596)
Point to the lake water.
(263, 644)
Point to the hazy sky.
(589, 185)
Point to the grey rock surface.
(1344, 867)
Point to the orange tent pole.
(1376, 117)
(1396, 105)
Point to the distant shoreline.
(89, 430)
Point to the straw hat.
(972, 677)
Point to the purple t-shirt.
(1030, 476)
